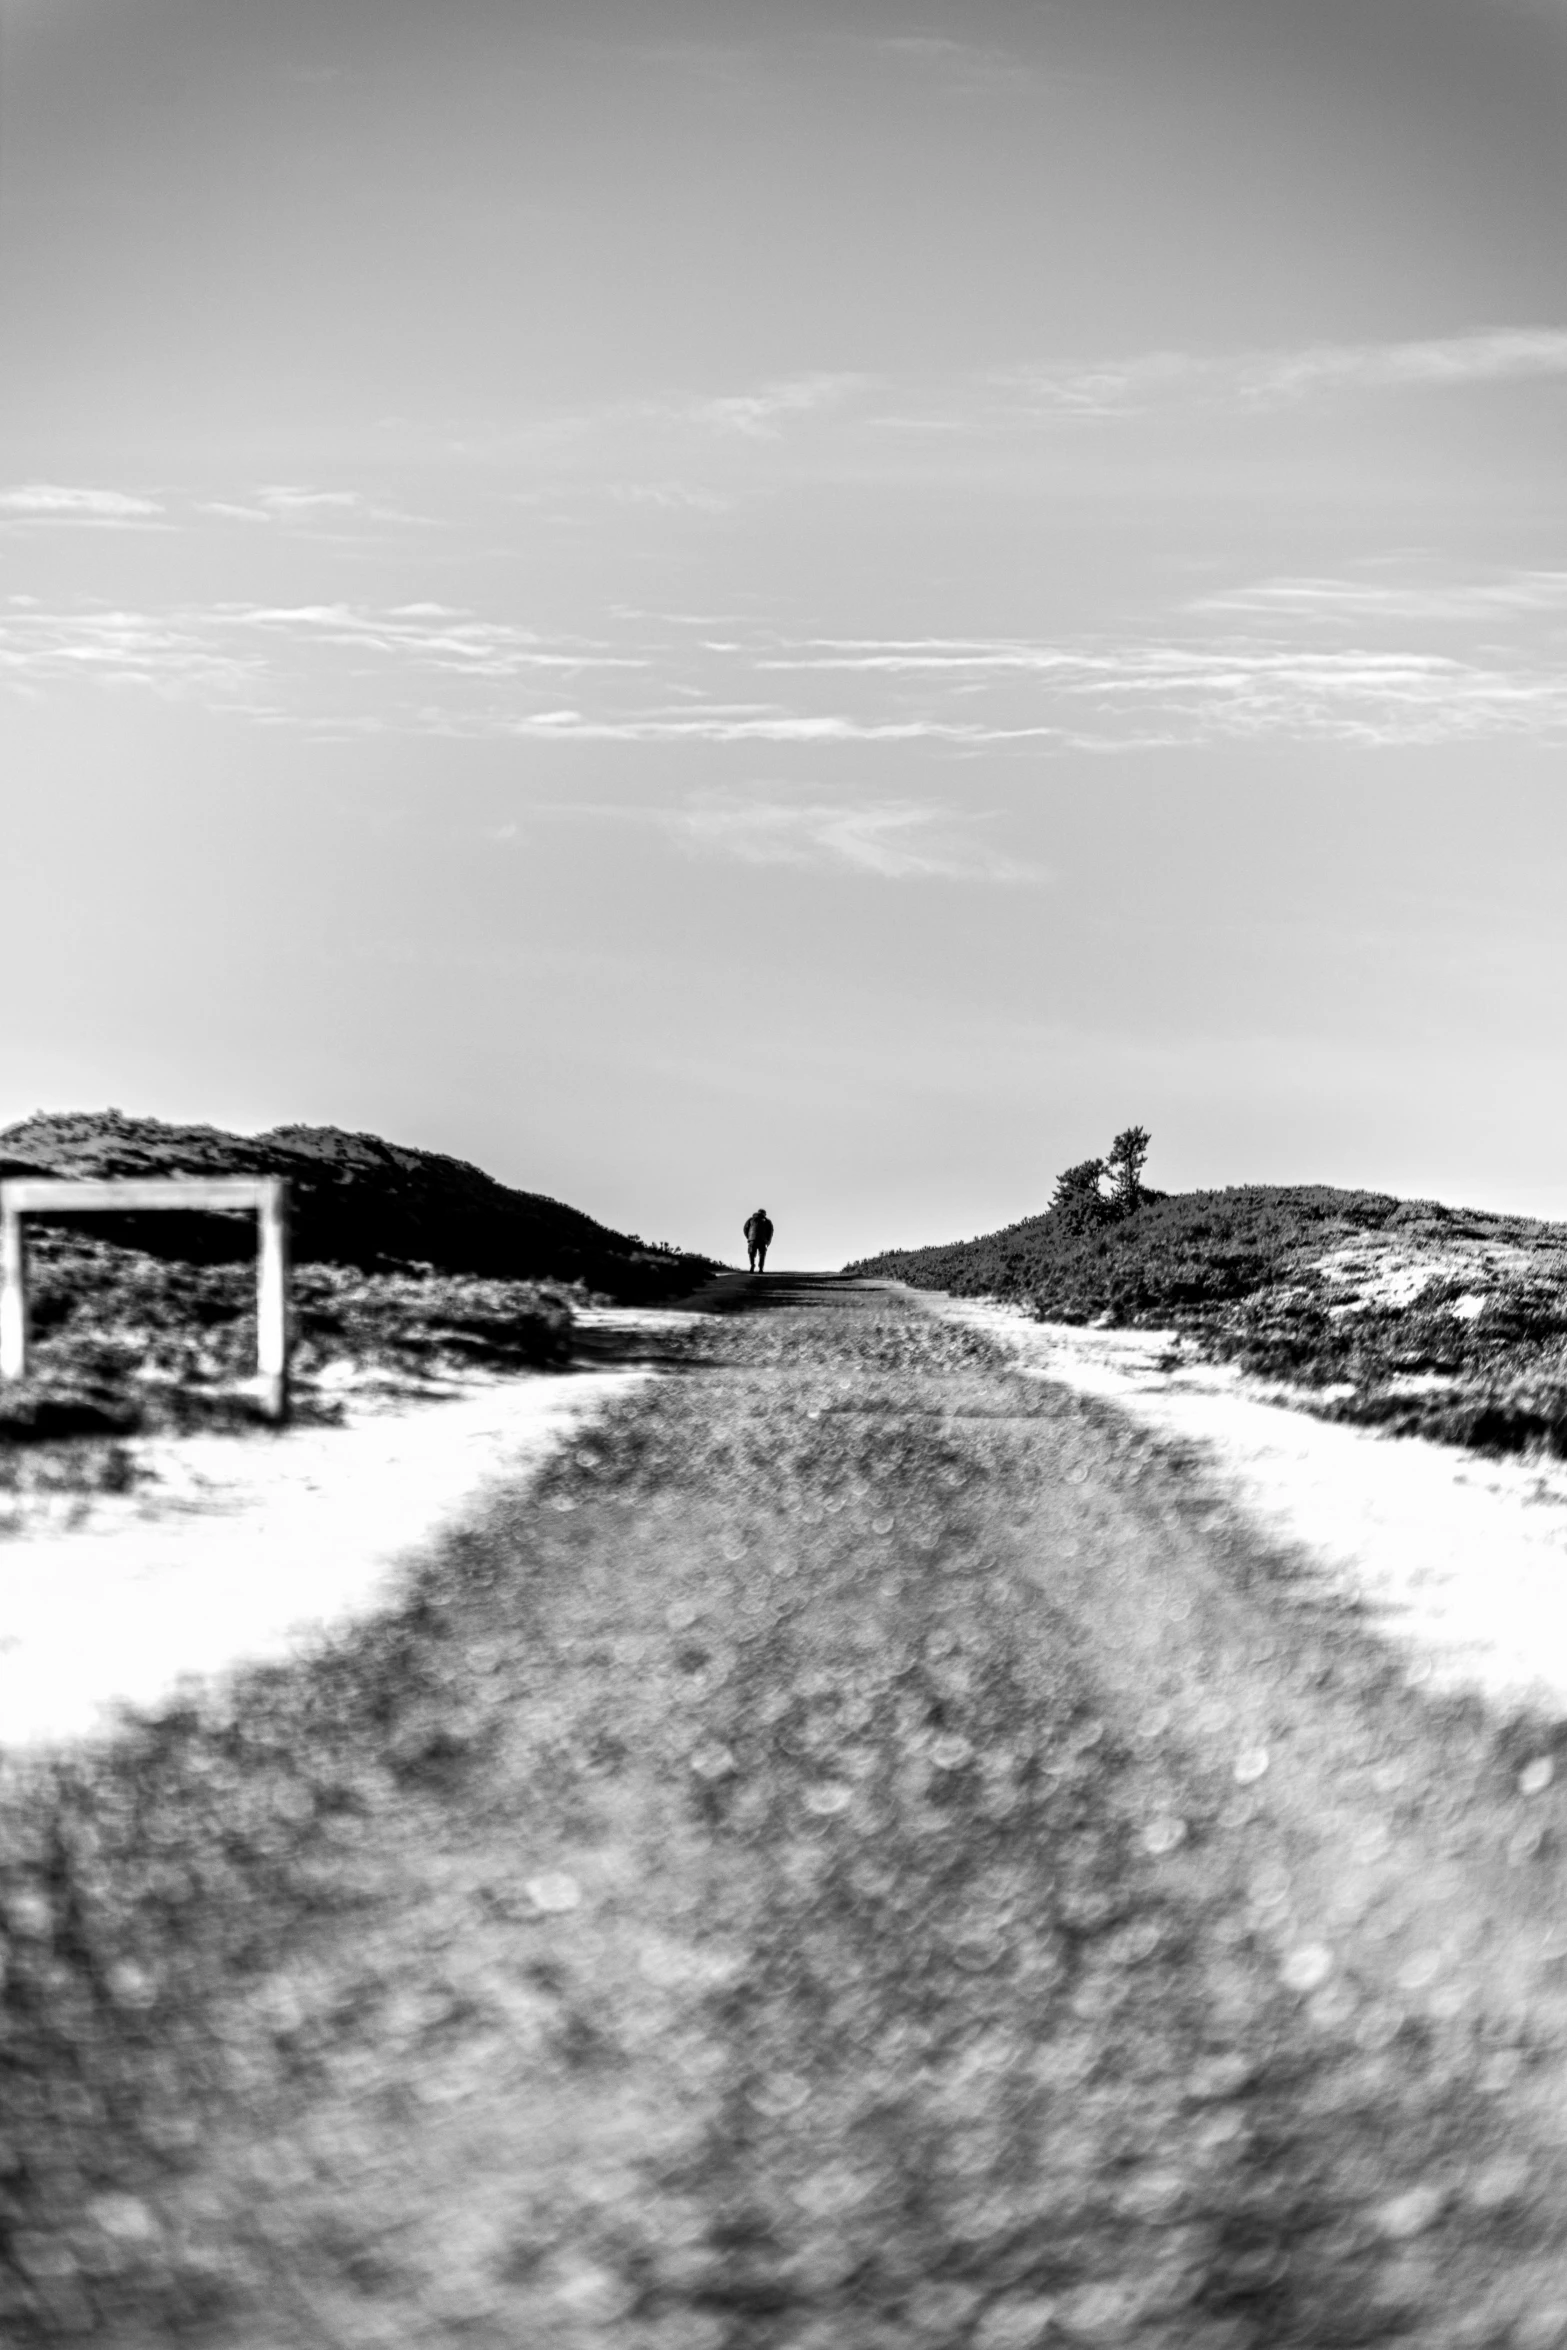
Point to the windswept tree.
(1078, 1203)
(1124, 1166)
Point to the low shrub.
(1235, 1273)
(125, 1341)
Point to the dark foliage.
(124, 1341)
(1078, 1203)
(356, 1200)
(1189, 1248)
(1127, 1157)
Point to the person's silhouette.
(758, 1236)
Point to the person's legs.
(761, 1258)
(751, 1255)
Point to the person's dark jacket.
(758, 1232)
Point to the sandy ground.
(247, 1547)
(1376, 1270)
(1461, 1562)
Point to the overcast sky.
(818, 605)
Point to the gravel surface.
(865, 1853)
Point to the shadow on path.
(745, 1293)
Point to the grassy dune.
(124, 1341)
(1401, 1314)
(357, 1200)
(405, 1261)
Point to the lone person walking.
(758, 1238)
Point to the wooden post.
(66, 1195)
(272, 1318)
(13, 1289)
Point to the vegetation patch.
(1399, 1314)
(356, 1199)
(406, 1262)
(126, 1343)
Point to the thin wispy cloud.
(62, 503)
(923, 655)
(892, 839)
(967, 68)
(1104, 696)
(1148, 381)
(717, 725)
(226, 654)
(163, 654)
(1245, 691)
(428, 636)
(1105, 388)
(669, 497)
(53, 502)
(424, 668)
(711, 449)
(644, 452)
(1520, 594)
(283, 500)
(1230, 685)
(762, 414)
(1506, 355)
(312, 510)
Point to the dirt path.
(864, 1855)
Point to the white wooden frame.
(120, 1195)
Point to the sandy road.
(865, 1854)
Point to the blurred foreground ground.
(1457, 1557)
(223, 1548)
(866, 1851)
